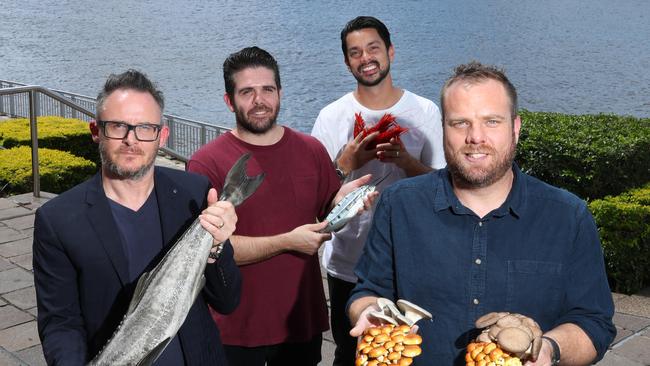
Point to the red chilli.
(387, 128)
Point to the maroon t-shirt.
(282, 297)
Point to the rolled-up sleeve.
(589, 302)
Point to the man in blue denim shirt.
(481, 236)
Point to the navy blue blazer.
(81, 273)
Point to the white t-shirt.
(334, 127)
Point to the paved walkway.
(20, 345)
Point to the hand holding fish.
(356, 154)
(307, 238)
(351, 186)
(219, 219)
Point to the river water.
(569, 56)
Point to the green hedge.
(59, 170)
(590, 155)
(58, 133)
(624, 226)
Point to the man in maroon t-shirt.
(282, 312)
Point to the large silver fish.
(164, 295)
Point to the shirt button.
(475, 301)
(478, 261)
(480, 223)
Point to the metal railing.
(185, 135)
(32, 94)
(30, 101)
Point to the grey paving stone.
(8, 359)
(621, 334)
(24, 261)
(14, 279)
(11, 316)
(636, 349)
(33, 311)
(634, 305)
(327, 353)
(23, 298)
(33, 356)
(616, 296)
(20, 337)
(2, 302)
(8, 234)
(631, 322)
(18, 247)
(6, 203)
(5, 264)
(612, 359)
(13, 212)
(21, 223)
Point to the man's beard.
(464, 177)
(256, 128)
(118, 172)
(380, 78)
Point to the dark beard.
(120, 173)
(382, 76)
(256, 129)
(464, 179)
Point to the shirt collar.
(514, 204)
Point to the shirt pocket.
(531, 285)
(305, 191)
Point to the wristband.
(555, 357)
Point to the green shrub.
(59, 170)
(590, 155)
(65, 134)
(624, 226)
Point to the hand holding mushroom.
(394, 341)
(505, 336)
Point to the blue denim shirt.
(538, 255)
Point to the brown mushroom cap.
(411, 351)
(412, 339)
(509, 321)
(513, 340)
(487, 320)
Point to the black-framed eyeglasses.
(119, 130)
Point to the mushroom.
(383, 318)
(515, 333)
(413, 312)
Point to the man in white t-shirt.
(368, 52)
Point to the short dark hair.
(245, 58)
(363, 22)
(475, 72)
(130, 79)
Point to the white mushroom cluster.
(514, 333)
(389, 313)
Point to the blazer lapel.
(172, 206)
(102, 222)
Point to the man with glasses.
(92, 243)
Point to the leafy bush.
(590, 155)
(65, 134)
(59, 170)
(624, 225)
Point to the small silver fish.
(348, 207)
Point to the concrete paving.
(20, 344)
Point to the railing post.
(75, 114)
(32, 127)
(12, 104)
(171, 140)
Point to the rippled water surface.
(569, 56)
